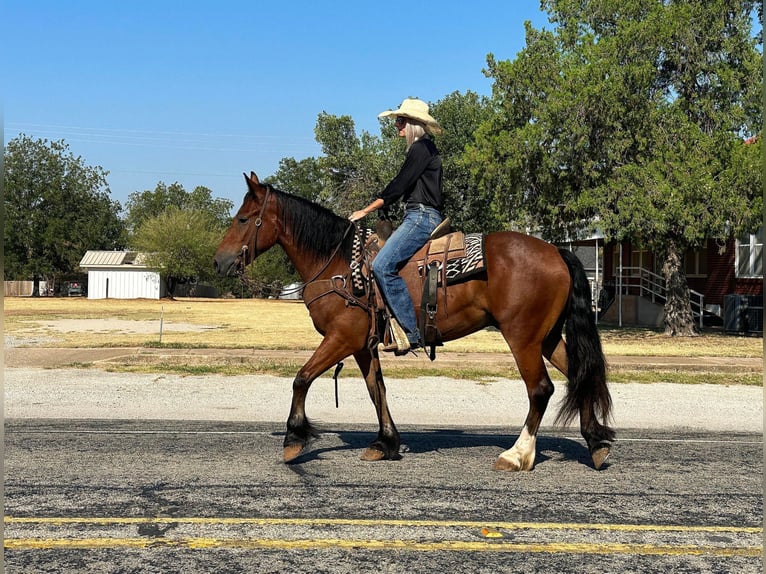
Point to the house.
(715, 274)
(121, 275)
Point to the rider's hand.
(357, 215)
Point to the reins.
(259, 221)
(333, 254)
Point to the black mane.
(314, 228)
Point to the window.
(695, 263)
(642, 258)
(749, 255)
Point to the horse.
(531, 291)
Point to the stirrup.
(400, 343)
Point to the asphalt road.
(169, 496)
(109, 472)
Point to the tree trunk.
(36, 286)
(679, 320)
(170, 287)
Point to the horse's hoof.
(291, 452)
(599, 456)
(501, 464)
(372, 454)
(514, 461)
(505, 464)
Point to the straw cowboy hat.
(415, 109)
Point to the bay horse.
(531, 291)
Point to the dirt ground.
(29, 352)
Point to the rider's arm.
(375, 205)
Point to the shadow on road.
(444, 440)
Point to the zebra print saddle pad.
(459, 256)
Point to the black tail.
(587, 393)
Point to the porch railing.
(644, 283)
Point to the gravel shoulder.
(41, 383)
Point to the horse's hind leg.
(596, 435)
(555, 350)
(539, 390)
(386, 444)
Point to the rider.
(419, 185)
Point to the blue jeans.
(411, 235)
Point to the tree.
(180, 243)
(144, 205)
(201, 198)
(147, 204)
(302, 178)
(56, 208)
(630, 114)
(354, 168)
(466, 203)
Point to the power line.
(187, 141)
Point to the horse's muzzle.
(231, 265)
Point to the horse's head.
(253, 229)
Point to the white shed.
(121, 275)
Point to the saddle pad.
(464, 256)
(460, 268)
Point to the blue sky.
(199, 92)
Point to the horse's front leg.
(299, 429)
(386, 444)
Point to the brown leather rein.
(339, 284)
(336, 284)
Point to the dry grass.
(262, 324)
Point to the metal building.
(121, 275)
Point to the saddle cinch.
(431, 263)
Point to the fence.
(22, 288)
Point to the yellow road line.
(212, 521)
(376, 545)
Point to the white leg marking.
(522, 455)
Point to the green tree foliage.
(201, 199)
(353, 168)
(181, 243)
(56, 208)
(631, 114)
(302, 178)
(179, 231)
(466, 204)
(147, 204)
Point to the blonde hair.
(413, 131)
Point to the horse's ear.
(252, 180)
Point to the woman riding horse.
(419, 185)
(530, 292)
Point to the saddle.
(430, 264)
(448, 257)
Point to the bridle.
(259, 221)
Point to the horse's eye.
(243, 219)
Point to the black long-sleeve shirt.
(420, 178)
